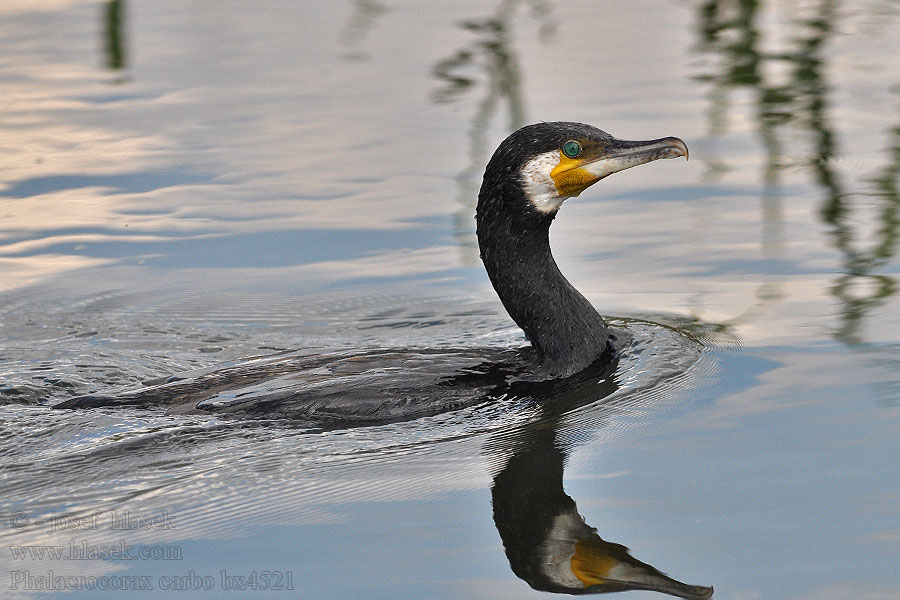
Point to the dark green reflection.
(114, 34)
(730, 31)
(546, 540)
(860, 288)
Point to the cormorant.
(526, 181)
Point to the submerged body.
(329, 391)
(526, 181)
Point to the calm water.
(185, 184)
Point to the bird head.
(558, 160)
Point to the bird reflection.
(546, 540)
(730, 30)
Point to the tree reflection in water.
(490, 66)
(365, 15)
(114, 36)
(729, 29)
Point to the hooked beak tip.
(678, 148)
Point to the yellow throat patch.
(568, 176)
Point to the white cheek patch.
(540, 189)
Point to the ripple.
(63, 462)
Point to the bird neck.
(565, 330)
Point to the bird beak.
(573, 175)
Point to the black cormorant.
(526, 181)
(528, 178)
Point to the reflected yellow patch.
(590, 564)
(569, 178)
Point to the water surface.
(189, 184)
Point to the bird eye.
(571, 148)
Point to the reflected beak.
(573, 175)
(602, 567)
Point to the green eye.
(571, 148)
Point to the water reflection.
(114, 34)
(365, 14)
(861, 288)
(491, 54)
(792, 91)
(546, 540)
(307, 494)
